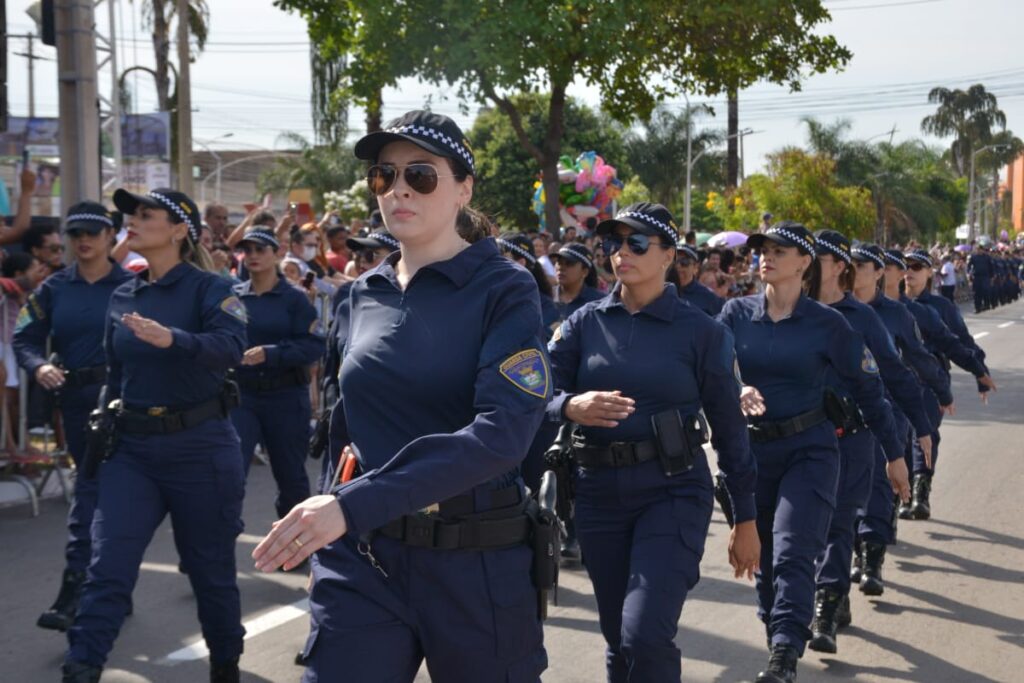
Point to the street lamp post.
(970, 187)
(220, 165)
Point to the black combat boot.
(858, 562)
(570, 546)
(60, 616)
(76, 672)
(224, 672)
(843, 615)
(874, 557)
(919, 506)
(781, 666)
(824, 626)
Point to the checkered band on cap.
(896, 259)
(835, 249)
(793, 237)
(434, 134)
(386, 239)
(665, 228)
(689, 251)
(89, 218)
(518, 250)
(865, 254)
(921, 256)
(264, 236)
(193, 228)
(576, 254)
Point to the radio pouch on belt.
(678, 438)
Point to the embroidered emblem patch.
(868, 364)
(24, 318)
(235, 308)
(556, 334)
(37, 310)
(528, 370)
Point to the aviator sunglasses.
(422, 178)
(638, 243)
(917, 267)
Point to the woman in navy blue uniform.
(785, 344)
(856, 442)
(633, 371)
(690, 289)
(423, 554)
(68, 309)
(917, 279)
(519, 248)
(171, 334)
(577, 278)
(284, 340)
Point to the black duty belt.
(615, 454)
(84, 377)
(761, 432)
(296, 377)
(503, 524)
(159, 421)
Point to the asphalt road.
(953, 609)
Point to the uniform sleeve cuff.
(744, 508)
(273, 355)
(364, 509)
(894, 450)
(555, 411)
(183, 340)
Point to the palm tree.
(969, 116)
(330, 111)
(1004, 149)
(157, 16)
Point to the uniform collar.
(846, 302)
(116, 273)
(662, 308)
(245, 288)
(173, 275)
(803, 305)
(459, 269)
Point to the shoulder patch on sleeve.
(37, 310)
(556, 334)
(234, 307)
(528, 370)
(868, 364)
(23, 320)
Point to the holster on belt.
(546, 540)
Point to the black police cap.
(178, 204)
(834, 243)
(895, 257)
(435, 133)
(869, 253)
(381, 239)
(575, 252)
(646, 218)
(261, 235)
(518, 244)
(786, 234)
(919, 255)
(90, 217)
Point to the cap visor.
(86, 226)
(127, 202)
(369, 146)
(757, 240)
(605, 227)
(364, 243)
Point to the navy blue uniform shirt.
(950, 314)
(207, 323)
(284, 323)
(586, 295)
(979, 265)
(702, 297)
(70, 309)
(667, 355)
(443, 383)
(899, 381)
(910, 343)
(788, 361)
(940, 340)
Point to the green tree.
(506, 172)
(157, 15)
(319, 169)
(969, 116)
(492, 49)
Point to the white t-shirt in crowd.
(547, 265)
(948, 273)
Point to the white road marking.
(253, 627)
(980, 335)
(1005, 325)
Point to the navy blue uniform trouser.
(876, 523)
(981, 293)
(642, 535)
(856, 468)
(75, 406)
(796, 492)
(280, 421)
(196, 476)
(915, 459)
(472, 615)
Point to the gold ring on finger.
(297, 542)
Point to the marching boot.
(781, 666)
(843, 615)
(858, 561)
(920, 508)
(871, 582)
(570, 546)
(824, 626)
(76, 672)
(61, 615)
(224, 672)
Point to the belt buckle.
(156, 411)
(433, 508)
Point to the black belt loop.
(615, 454)
(135, 422)
(762, 432)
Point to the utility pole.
(79, 113)
(184, 103)
(32, 57)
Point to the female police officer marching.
(634, 370)
(171, 334)
(443, 384)
(284, 340)
(69, 309)
(856, 444)
(519, 248)
(785, 343)
(577, 278)
(687, 265)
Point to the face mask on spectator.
(309, 253)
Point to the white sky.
(253, 79)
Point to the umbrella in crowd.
(729, 238)
(702, 238)
(962, 247)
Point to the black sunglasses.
(75, 233)
(686, 262)
(367, 255)
(422, 178)
(638, 243)
(917, 266)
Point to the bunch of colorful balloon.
(588, 188)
